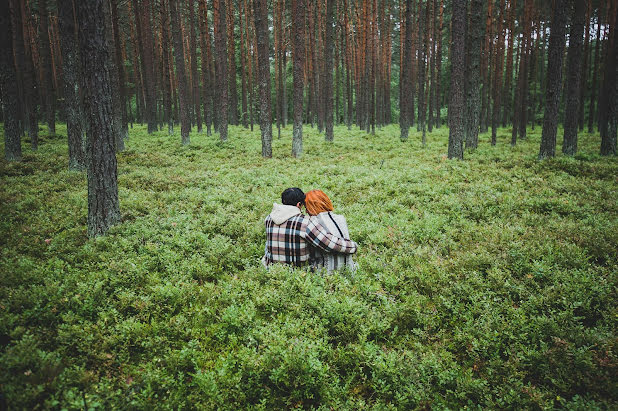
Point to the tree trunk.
(243, 67)
(29, 78)
(167, 66)
(298, 22)
(113, 78)
(439, 67)
(554, 79)
(221, 65)
(122, 79)
(195, 78)
(574, 63)
(206, 64)
(608, 109)
(473, 55)
(261, 31)
(583, 86)
(595, 76)
(8, 85)
(46, 68)
(144, 38)
(508, 75)
(233, 94)
(328, 77)
(103, 206)
(181, 73)
(499, 60)
(456, 100)
(71, 70)
(404, 77)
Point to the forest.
(471, 145)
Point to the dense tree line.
(474, 64)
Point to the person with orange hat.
(320, 208)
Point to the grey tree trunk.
(8, 85)
(165, 46)
(298, 22)
(29, 78)
(456, 100)
(554, 79)
(574, 63)
(122, 79)
(608, 110)
(472, 75)
(71, 71)
(181, 73)
(261, 33)
(103, 206)
(194, 74)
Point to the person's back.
(321, 209)
(334, 223)
(289, 232)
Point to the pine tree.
(261, 32)
(103, 206)
(8, 87)
(554, 79)
(181, 73)
(456, 100)
(298, 21)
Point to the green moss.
(486, 283)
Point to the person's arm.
(318, 236)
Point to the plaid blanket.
(288, 242)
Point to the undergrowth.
(484, 283)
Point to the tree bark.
(221, 65)
(144, 38)
(72, 81)
(181, 73)
(103, 206)
(8, 86)
(328, 78)
(595, 76)
(29, 78)
(261, 31)
(46, 68)
(233, 93)
(499, 60)
(456, 100)
(574, 64)
(473, 56)
(554, 79)
(508, 75)
(122, 78)
(298, 21)
(167, 66)
(195, 78)
(113, 78)
(608, 110)
(404, 76)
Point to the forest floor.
(488, 282)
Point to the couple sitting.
(320, 240)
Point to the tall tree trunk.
(328, 79)
(499, 60)
(233, 93)
(485, 67)
(195, 78)
(20, 62)
(298, 22)
(103, 206)
(574, 63)
(595, 76)
(29, 78)
(554, 79)
(524, 68)
(439, 67)
(71, 70)
(508, 75)
(167, 66)
(144, 37)
(181, 73)
(456, 100)
(113, 78)
(206, 64)
(46, 68)
(261, 31)
(243, 67)
(404, 77)
(608, 110)
(422, 39)
(473, 55)
(583, 86)
(8, 86)
(431, 79)
(221, 65)
(122, 79)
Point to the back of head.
(292, 196)
(317, 202)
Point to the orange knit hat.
(317, 202)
